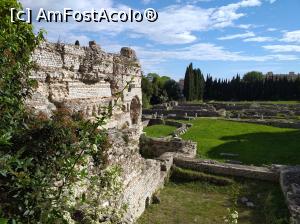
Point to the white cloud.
(259, 39)
(237, 36)
(177, 24)
(245, 26)
(283, 48)
(152, 58)
(272, 29)
(216, 53)
(292, 36)
(195, 52)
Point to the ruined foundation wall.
(86, 80)
(214, 167)
(156, 147)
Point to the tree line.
(252, 86)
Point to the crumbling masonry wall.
(86, 80)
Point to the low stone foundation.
(214, 167)
(155, 147)
(249, 110)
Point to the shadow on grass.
(261, 148)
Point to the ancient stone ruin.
(86, 80)
(279, 115)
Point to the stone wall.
(290, 185)
(155, 147)
(88, 80)
(214, 167)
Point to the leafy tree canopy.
(253, 76)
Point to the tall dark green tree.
(199, 84)
(188, 90)
(194, 84)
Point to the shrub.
(44, 164)
(51, 170)
(17, 41)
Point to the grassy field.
(159, 130)
(197, 202)
(204, 203)
(253, 143)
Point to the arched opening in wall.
(135, 110)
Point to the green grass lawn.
(159, 130)
(198, 202)
(254, 144)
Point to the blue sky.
(221, 37)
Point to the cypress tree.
(196, 84)
(186, 84)
(189, 87)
